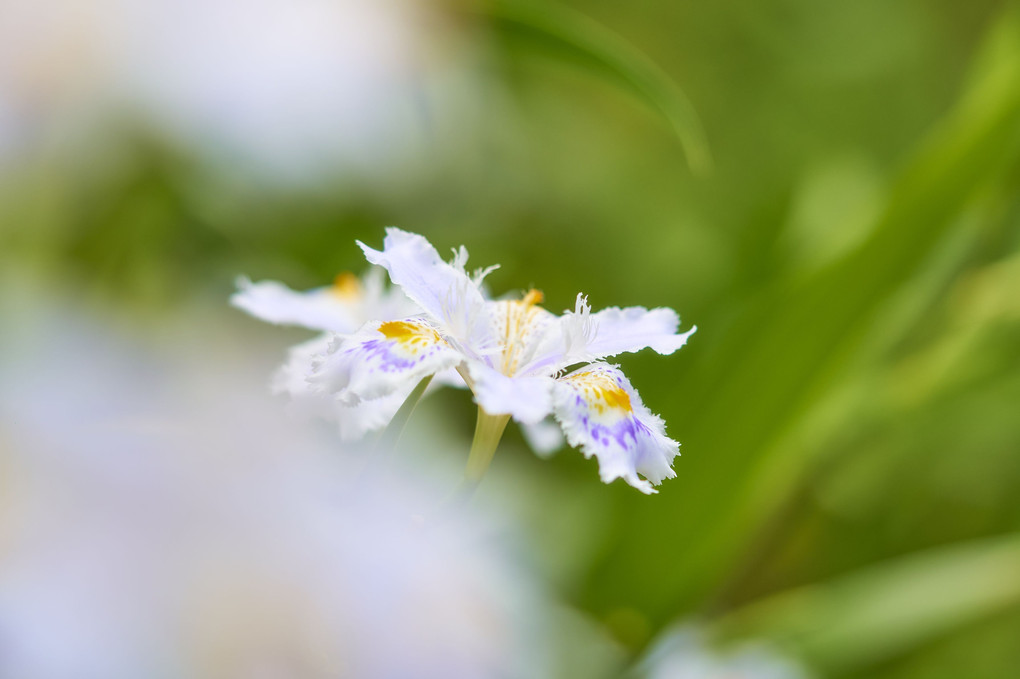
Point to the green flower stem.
(488, 432)
(391, 436)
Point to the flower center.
(520, 322)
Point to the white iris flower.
(514, 355)
(338, 310)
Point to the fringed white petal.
(367, 416)
(308, 400)
(581, 336)
(382, 358)
(603, 415)
(527, 399)
(618, 331)
(441, 289)
(563, 342)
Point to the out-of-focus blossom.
(296, 86)
(284, 89)
(683, 653)
(57, 61)
(342, 307)
(337, 309)
(158, 520)
(513, 355)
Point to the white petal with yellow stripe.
(603, 415)
(382, 358)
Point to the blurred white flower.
(337, 309)
(157, 520)
(683, 653)
(295, 85)
(56, 63)
(512, 354)
(342, 307)
(284, 89)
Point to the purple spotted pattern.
(624, 432)
(384, 355)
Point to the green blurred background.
(849, 409)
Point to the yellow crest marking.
(409, 334)
(602, 392)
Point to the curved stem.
(388, 441)
(488, 432)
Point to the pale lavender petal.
(382, 358)
(442, 290)
(544, 437)
(308, 400)
(603, 415)
(618, 331)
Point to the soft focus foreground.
(161, 518)
(845, 502)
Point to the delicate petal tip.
(580, 328)
(459, 262)
(602, 414)
(460, 258)
(479, 275)
(442, 290)
(382, 358)
(672, 344)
